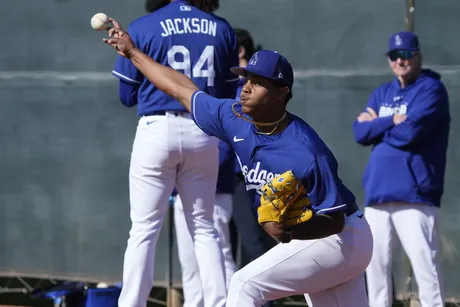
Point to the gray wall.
(65, 140)
(64, 159)
(312, 34)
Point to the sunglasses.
(401, 54)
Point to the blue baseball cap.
(268, 64)
(403, 41)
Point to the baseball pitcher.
(169, 150)
(300, 200)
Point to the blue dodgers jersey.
(408, 161)
(203, 46)
(261, 157)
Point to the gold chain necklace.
(275, 123)
(271, 132)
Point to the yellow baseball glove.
(284, 200)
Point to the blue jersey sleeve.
(124, 68)
(128, 93)
(326, 191)
(370, 133)
(211, 114)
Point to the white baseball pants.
(328, 271)
(416, 225)
(191, 280)
(170, 151)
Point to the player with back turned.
(169, 150)
(292, 174)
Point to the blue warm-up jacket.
(408, 161)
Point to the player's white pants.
(329, 271)
(417, 229)
(171, 151)
(191, 281)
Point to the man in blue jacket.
(407, 122)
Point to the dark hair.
(154, 5)
(208, 6)
(245, 40)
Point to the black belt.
(176, 113)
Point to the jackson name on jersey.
(188, 25)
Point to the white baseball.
(100, 22)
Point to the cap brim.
(241, 71)
(408, 49)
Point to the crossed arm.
(370, 129)
(401, 130)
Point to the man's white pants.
(191, 280)
(171, 151)
(416, 226)
(329, 271)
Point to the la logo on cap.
(398, 40)
(254, 59)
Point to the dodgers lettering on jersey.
(261, 157)
(200, 45)
(255, 177)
